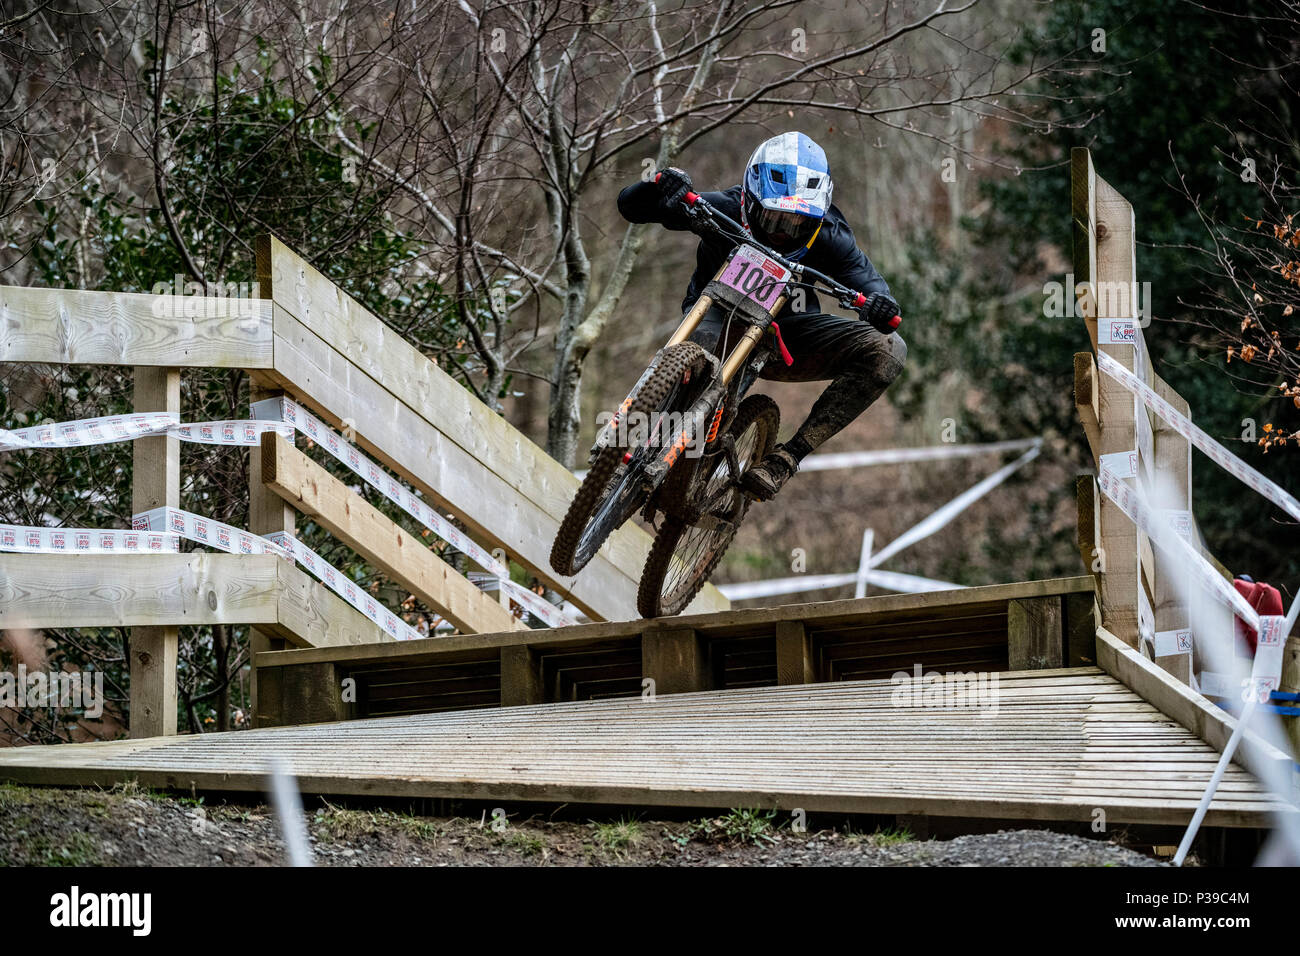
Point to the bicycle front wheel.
(615, 486)
(685, 552)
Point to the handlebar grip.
(690, 198)
(860, 301)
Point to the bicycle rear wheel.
(685, 551)
(615, 486)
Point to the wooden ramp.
(1045, 745)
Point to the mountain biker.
(785, 203)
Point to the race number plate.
(755, 276)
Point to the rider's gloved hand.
(673, 185)
(880, 312)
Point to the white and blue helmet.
(786, 192)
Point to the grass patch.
(340, 825)
(741, 825)
(12, 795)
(619, 837)
(76, 848)
(524, 843)
(881, 837)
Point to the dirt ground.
(129, 826)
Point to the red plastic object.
(1264, 598)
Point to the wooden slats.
(91, 590)
(347, 365)
(68, 327)
(1059, 744)
(861, 639)
(364, 528)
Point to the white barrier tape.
(28, 540)
(1212, 449)
(1164, 537)
(215, 534)
(287, 410)
(947, 512)
(234, 540)
(117, 428)
(346, 588)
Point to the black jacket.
(834, 251)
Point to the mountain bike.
(678, 446)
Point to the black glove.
(880, 312)
(673, 185)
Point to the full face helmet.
(786, 192)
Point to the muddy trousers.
(859, 362)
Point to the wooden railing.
(308, 340)
(1137, 585)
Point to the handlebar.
(699, 210)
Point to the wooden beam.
(365, 529)
(675, 659)
(310, 615)
(1083, 206)
(1035, 634)
(414, 448)
(423, 423)
(1087, 533)
(155, 483)
(107, 590)
(1180, 702)
(1085, 400)
(894, 608)
(171, 590)
(794, 654)
(70, 327)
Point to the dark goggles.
(783, 230)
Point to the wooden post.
(310, 694)
(1035, 634)
(676, 660)
(521, 676)
(267, 513)
(1080, 629)
(794, 657)
(1104, 258)
(155, 483)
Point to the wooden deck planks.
(1060, 744)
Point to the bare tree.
(535, 105)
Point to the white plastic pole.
(1220, 768)
(288, 810)
(864, 563)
